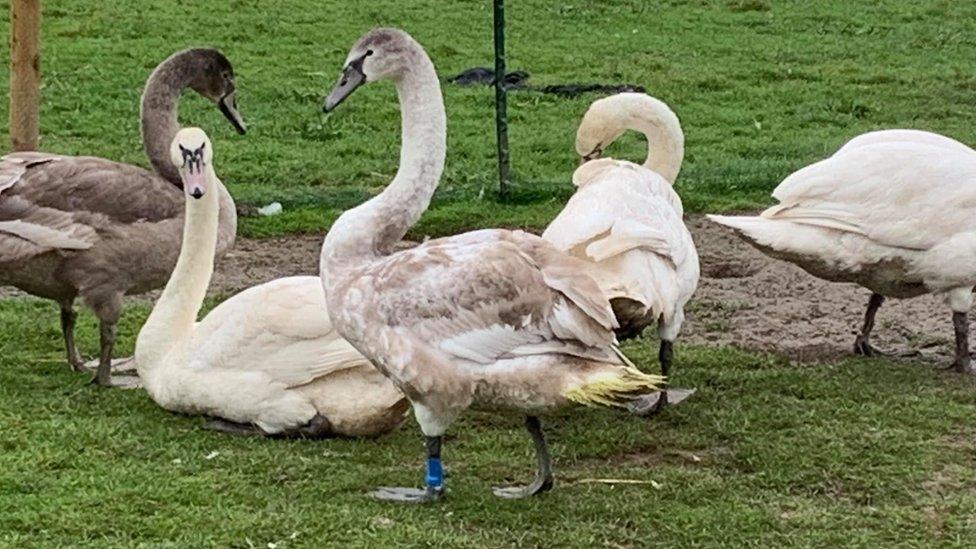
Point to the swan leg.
(862, 344)
(665, 356)
(652, 404)
(68, 317)
(107, 308)
(103, 376)
(543, 477)
(433, 491)
(963, 363)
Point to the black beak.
(228, 106)
(351, 78)
(594, 154)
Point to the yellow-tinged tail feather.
(617, 387)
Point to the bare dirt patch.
(744, 299)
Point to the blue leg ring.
(435, 472)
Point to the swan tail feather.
(750, 228)
(615, 388)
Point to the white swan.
(266, 360)
(892, 211)
(494, 319)
(627, 220)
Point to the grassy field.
(768, 453)
(761, 87)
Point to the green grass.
(859, 452)
(762, 88)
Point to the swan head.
(215, 81)
(603, 123)
(192, 154)
(608, 118)
(378, 54)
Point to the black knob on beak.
(197, 193)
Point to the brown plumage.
(80, 226)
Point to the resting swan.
(75, 226)
(493, 319)
(892, 211)
(626, 219)
(266, 360)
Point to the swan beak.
(195, 183)
(228, 106)
(596, 153)
(351, 78)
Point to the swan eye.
(369, 52)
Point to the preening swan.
(75, 226)
(892, 211)
(266, 360)
(493, 319)
(626, 220)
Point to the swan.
(80, 226)
(265, 361)
(891, 210)
(492, 319)
(626, 220)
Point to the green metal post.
(501, 116)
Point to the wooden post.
(25, 73)
(501, 103)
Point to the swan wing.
(901, 194)
(280, 328)
(86, 185)
(494, 294)
(54, 202)
(621, 210)
(586, 217)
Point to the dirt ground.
(744, 299)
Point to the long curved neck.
(158, 113)
(173, 317)
(373, 228)
(665, 140)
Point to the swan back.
(905, 136)
(627, 220)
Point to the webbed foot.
(118, 382)
(317, 427)
(233, 428)
(652, 403)
(863, 348)
(408, 495)
(119, 365)
(538, 486)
